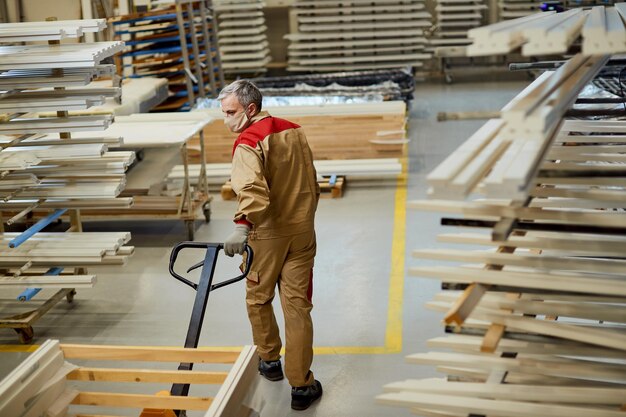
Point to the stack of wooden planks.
(43, 167)
(77, 55)
(242, 36)
(47, 384)
(453, 19)
(341, 131)
(603, 31)
(357, 34)
(503, 157)
(362, 170)
(513, 9)
(53, 249)
(539, 326)
(330, 187)
(536, 323)
(55, 30)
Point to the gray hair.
(245, 91)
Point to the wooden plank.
(581, 310)
(596, 217)
(104, 399)
(590, 245)
(146, 376)
(562, 263)
(57, 56)
(502, 37)
(534, 345)
(21, 384)
(553, 394)
(453, 164)
(490, 407)
(230, 397)
(44, 281)
(603, 31)
(562, 29)
(555, 367)
(584, 334)
(154, 354)
(580, 283)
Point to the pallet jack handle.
(203, 288)
(216, 248)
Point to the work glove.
(236, 242)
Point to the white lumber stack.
(48, 78)
(49, 30)
(43, 165)
(453, 19)
(242, 34)
(536, 321)
(77, 55)
(503, 157)
(514, 9)
(354, 169)
(358, 34)
(602, 29)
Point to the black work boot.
(271, 370)
(303, 397)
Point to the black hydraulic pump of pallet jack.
(203, 288)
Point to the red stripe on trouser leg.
(309, 292)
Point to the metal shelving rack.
(178, 42)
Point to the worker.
(277, 193)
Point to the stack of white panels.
(242, 36)
(454, 19)
(358, 34)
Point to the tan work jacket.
(274, 178)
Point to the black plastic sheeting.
(392, 84)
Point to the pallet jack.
(203, 288)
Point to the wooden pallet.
(328, 189)
(46, 384)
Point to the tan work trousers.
(288, 263)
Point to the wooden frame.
(25, 383)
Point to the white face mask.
(238, 122)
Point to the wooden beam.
(581, 283)
(563, 263)
(531, 393)
(584, 334)
(490, 407)
(229, 399)
(588, 245)
(532, 345)
(558, 367)
(146, 375)
(105, 399)
(147, 353)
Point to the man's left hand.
(236, 242)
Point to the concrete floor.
(362, 337)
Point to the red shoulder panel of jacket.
(262, 129)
